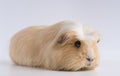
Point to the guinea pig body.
(65, 45)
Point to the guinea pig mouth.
(89, 64)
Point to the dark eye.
(77, 44)
(98, 41)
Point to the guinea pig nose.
(90, 59)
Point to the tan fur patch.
(38, 46)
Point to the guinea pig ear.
(63, 38)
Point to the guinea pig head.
(73, 51)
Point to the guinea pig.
(66, 45)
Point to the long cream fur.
(41, 46)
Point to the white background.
(101, 14)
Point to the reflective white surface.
(107, 68)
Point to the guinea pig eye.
(77, 44)
(98, 41)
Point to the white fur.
(82, 31)
(91, 53)
(75, 26)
